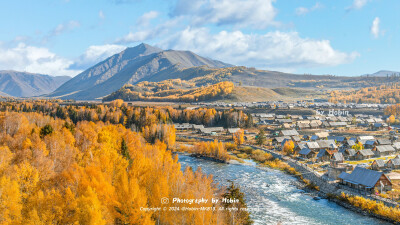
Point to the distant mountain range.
(23, 84)
(148, 63)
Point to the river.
(273, 194)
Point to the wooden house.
(383, 150)
(364, 154)
(393, 163)
(378, 164)
(366, 180)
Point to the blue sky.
(64, 37)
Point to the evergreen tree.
(46, 130)
(124, 150)
(260, 139)
(239, 216)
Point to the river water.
(272, 197)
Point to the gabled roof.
(327, 144)
(314, 137)
(369, 142)
(395, 161)
(366, 138)
(396, 145)
(343, 175)
(296, 138)
(322, 134)
(338, 156)
(302, 145)
(351, 152)
(351, 142)
(365, 177)
(321, 153)
(195, 126)
(366, 152)
(385, 148)
(336, 138)
(289, 132)
(380, 162)
(305, 151)
(353, 139)
(384, 141)
(312, 145)
(281, 139)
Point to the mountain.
(140, 63)
(383, 73)
(23, 84)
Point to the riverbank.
(323, 188)
(313, 182)
(275, 197)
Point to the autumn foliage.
(372, 206)
(288, 147)
(160, 93)
(238, 137)
(92, 173)
(383, 94)
(213, 149)
(134, 117)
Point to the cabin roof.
(385, 148)
(380, 162)
(366, 152)
(305, 151)
(289, 132)
(362, 176)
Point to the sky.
(65, 37)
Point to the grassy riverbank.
(357, 203)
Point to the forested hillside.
(165, 91)
(64, 165)
(384, 94)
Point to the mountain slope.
(383, 73)
(23, 84)
(132, 65)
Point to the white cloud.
(375, 31)
(257, 14)
(271, 50)
(357, 4)
(150, 33)
(35, 60)
(303, 10)
(101, 15)
(145, 19)
(61, 28)
(64, 27)
(96, 53)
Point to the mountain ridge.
(129, 67)
(25, 84)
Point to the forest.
(383, 94)
(165, 92)
(97, 165)
(134, 117)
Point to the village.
(359, 153)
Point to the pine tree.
(124, 150)
(239, 216)
(260, 139)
